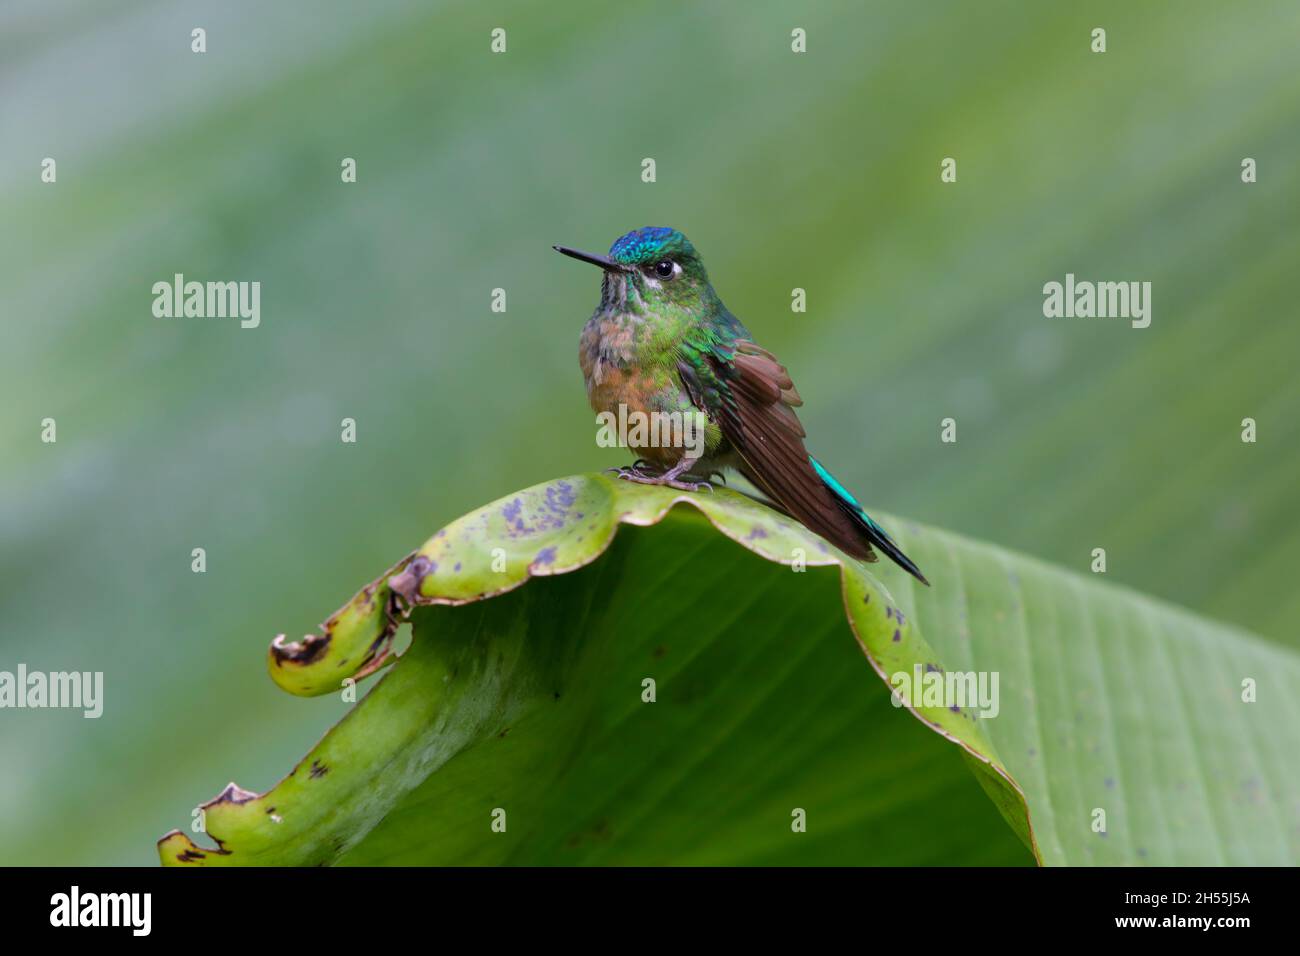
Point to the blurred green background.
(818, 170)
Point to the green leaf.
(529, 707)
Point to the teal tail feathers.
(871, 531)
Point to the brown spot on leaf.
(234, 794)
(311, 647)
(407, 583)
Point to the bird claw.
(690, 485)
(634, 474)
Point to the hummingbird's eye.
(665, 268)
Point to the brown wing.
(756, 414)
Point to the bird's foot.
(632, 473)
(672, 478)
(690, 485)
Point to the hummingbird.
(661, 341)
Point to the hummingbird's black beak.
(606, 263)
